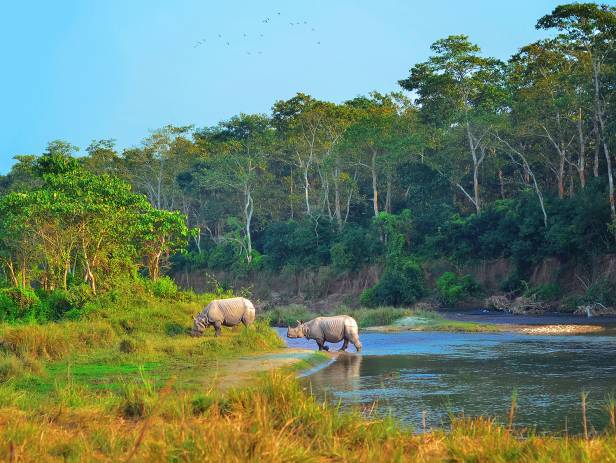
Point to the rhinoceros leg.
(356, 343)
(217, 326)
(321, 344)
(345, 344)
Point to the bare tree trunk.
(477, 160)
(531, 174)
(375, 192)
(606, 151)
(248, 212)
(11, 267)
(581, 165)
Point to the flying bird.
(228, 43)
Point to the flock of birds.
(266, 20)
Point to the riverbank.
(129, 384)
(390, 319)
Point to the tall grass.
(272, 421)
(290, 314)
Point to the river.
(436, 374)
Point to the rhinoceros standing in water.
(330, 329)
(224, 312)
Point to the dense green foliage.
(453, 288)
(492, 159)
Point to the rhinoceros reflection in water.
(342, 375)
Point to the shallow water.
(439, 373)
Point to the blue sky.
(90, 69)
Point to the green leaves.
(78, 224)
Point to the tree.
(458, 89)
(242, 146)
(589, 29)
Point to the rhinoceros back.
(230, 312)
(330, 329)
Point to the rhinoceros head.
(296, 332)
(199, 326)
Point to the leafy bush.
(222, 256)
(603, 292)
(21, 304)
(402, 283)
(164, 288)
(546, 292)
(452, 288)
(353, 249)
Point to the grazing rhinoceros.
(224, 312)
(330, 329)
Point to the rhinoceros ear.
(298, 322)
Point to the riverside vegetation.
(125, 385)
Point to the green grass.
(84, 398)
(387, 318)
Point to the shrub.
(546, 292)
(21, 304)
(452, 288)
(402, 283)
(603, 292)
(164, 288)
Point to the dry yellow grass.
(274, 421)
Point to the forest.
(473, 158)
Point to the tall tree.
(458, 89)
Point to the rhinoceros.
(330, 329)
(224, 312)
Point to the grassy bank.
(383, 318)
(137, 338)
(127, 383)
(272, 421)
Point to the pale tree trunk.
(527, 171)
(475, 144)
(89, 274)
(248, 212)
(561, 150)
(581, 164)
(606, 151)
(11, 268)
(375, 191)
